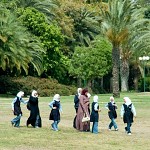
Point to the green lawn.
(68, 138)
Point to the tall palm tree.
(17, 47)
(116, 27)
(136, 44)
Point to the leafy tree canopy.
(93, 61)
(18, 47)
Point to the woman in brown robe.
(84, 108)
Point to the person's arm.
(106, 106)
(96, 107)
(115, 106)
(51, 104)
(133, 110)
(82, 103)
(12, 104)
(23, 101)
(122, 111)
(76, 99)
(60, 108)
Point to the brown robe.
(84, 105)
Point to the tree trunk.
(136, 77)
(79, 82)
(124, 73)
(136, 83)
(115, 72)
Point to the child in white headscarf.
(127, 113)
(94, 114)
(55, 114)
(76, 99)
(34, 118)
(17, 109)
(111, 106)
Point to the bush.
(45, 87)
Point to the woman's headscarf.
(56, 97)
(95, 98)
(20, 94)
(84, 91)
(127, 101)
(34, 93)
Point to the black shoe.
(125, 129)
(12, 123)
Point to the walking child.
(17, 109)
(127, 113)
(111, 106)
(95, 114)
(34, 118)
(55, 112)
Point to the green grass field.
(68, 138)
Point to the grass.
(68, 138)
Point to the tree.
(116, 27)
(91, 62)
(17, 47)
(86, 26)
(84, 21)
(44, 6)
(147, 13)
(55, 63)
(136, 45)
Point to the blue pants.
(16, 120)
(55, 125)
(128, 127)
(95, 127)
(113, 123)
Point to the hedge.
(45, 87)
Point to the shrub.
(45, 87)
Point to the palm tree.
(136, 44)
(17, 47)
(45, 6)
(86, 26)
(84, 22)
(116, 27)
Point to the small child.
(17, 109)
(127, 113)
(111, 106)
(94, 114)
(55, 114)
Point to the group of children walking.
(32, 105)
(127, 111)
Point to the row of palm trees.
(120, 21)
(128, 31)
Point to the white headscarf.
(95, 98)
(127, 101)
(34, 93)
(111, 99)
(88, 95)
(79, 91)
(20, 94)
(56, 97)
